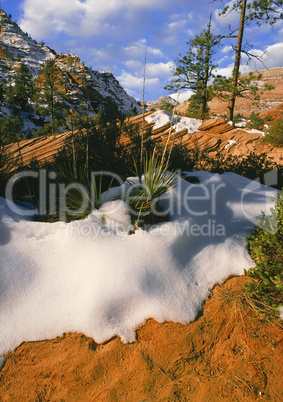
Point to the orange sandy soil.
(226, 354)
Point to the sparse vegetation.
(275, 134)
(169, 107)
(255, 121)
(5, 165)
(10, 130)
(266, 249)
(261, 12)
(251, 166)
(238, 118)
(246, 87)
(96, 144)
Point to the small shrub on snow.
(266, 249)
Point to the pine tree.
(1, 91)
(50, 97)
(259, 11)
(246, 87)
(10, 130)
(22, 91)
(195, 69)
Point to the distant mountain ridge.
(82, 84)
(161, 102)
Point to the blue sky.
(116, 35)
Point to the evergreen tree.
(259, 11)
(1, 91)
(50, 97)
(169, 107)
(10, 130)
(195, 69)
(21, 93)
(246, 87)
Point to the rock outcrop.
(269, 100)
(82, 85)
(214, 135)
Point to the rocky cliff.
(81, 84)
(269, 99)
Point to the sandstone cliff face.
(269, 99)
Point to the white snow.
(92, 276)
(254, 131)
(230, 143)
(241, 123)
(162, 117)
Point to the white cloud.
(230, 19)
(140, 48)
(177, 26)
(182, 96)
(134, 65)
(157, 75)
(273, 56)
(270, 57)
(116, 35)
(163, 70)
(225, 71)
(87, 18)
(44, 17)
(152, 70)
(223, 60)
(134, 85)
(226, 49)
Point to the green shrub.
(275, 135)
(266, 249)
(8, 164)
(85, 193)
(255, 121)
(194, 110)
(3, 172)
(76, 191)
(167, 106)
(181, 158)
(238, 118)
(10, 130)
(252, 166)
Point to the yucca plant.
(77, 192)
(150, 186)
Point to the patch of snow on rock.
(254, 131)
(230, 143)
(241, 124)
(163, 118)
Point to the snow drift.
(92, 276)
